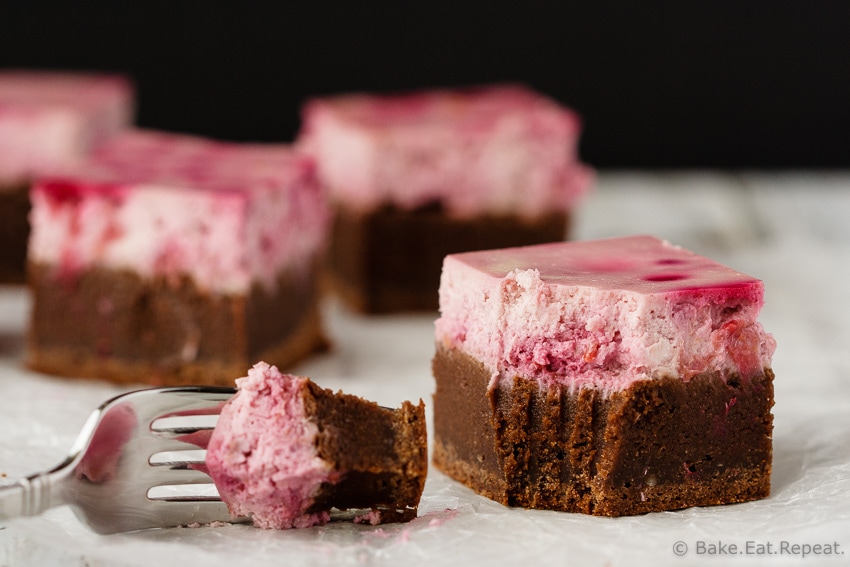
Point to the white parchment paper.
(789, 230)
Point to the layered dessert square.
(286, 452)
(609, 377)
(416, 176)
(49, 120)
(172, 259)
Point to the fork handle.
(27, 497)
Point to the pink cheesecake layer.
(49, 120)
(226, 214)
(262, 455)
(498, 150)
(602, 313)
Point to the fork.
(138, 463)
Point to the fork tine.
(184, 423)
(193, 429)
(164, 475)
(184, 492)
(178, 459)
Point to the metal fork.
(138, 463)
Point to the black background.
(659, 84)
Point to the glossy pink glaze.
(262, 455)
(501, 149)
(228, 215)
(49, 120)
(602, 313)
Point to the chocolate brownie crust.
(14, 232)
(390, 259)
(118, 326)
(659, 445)
(388, 477)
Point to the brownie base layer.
(117, 326)
(389, 260)
(14, 232)
(381, 453)
(659, 445)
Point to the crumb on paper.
(219, 524)
(372, 517)
(215, 524)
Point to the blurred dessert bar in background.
(413, 177)
(172, 259)
(49, 120)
